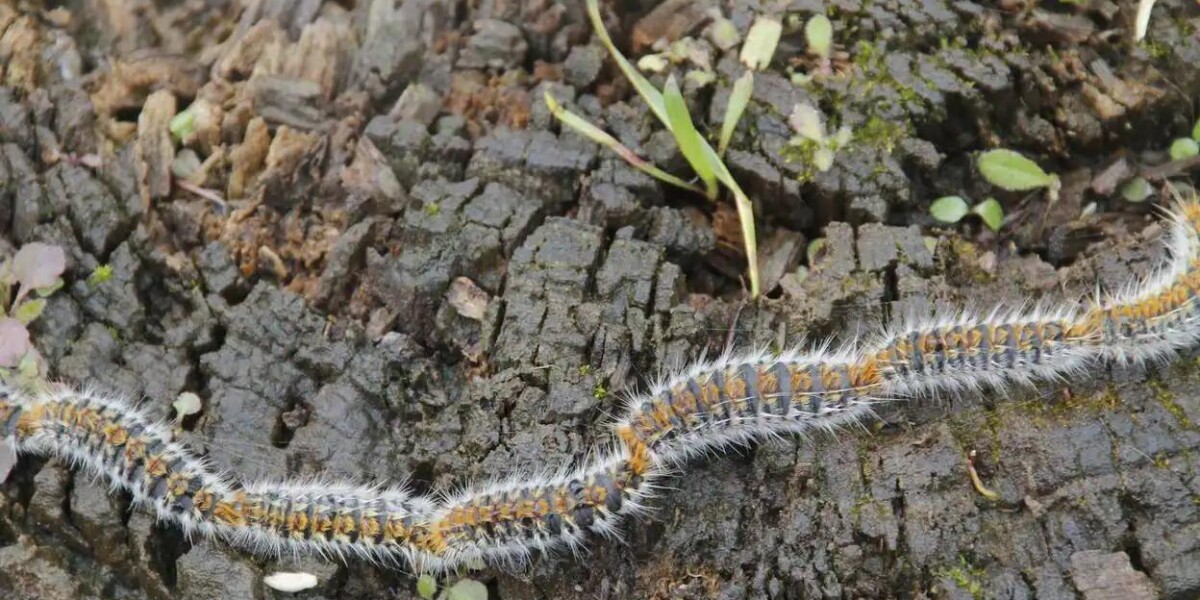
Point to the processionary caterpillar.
(706, 407)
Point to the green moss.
(966, 577)
(1162, 461)
(1166, 398)
(1156, 50)
(99, 275)
(801, 151)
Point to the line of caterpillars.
(120, 442)
(142, 459)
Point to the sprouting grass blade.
(689, 140)
(644, 88)
(745, 210)
(586, 129)
(739, 97)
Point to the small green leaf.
(426, 586)
(182, 124)
(739, 97)
(468, 589)
(27, 312)
(1011, 171)
(805, 120)
(760, 43)
(823, 159)
(819, 33)
(949, 209)
(814, 250)
(1136, 190)
(689, 140)
(1184, 148)
(47, 290)
(991, 212)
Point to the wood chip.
(468, 299)
(155, 150)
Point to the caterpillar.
(705, 408)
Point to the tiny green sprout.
(28, 311)
(426, 586)
(182, 124)
(585, 370)
(991, 212)
(814, 250)
(432, 209)
(1136, 190)
(805, 120)
(600, 392)
(819, 33)
(949, 209)
(1183, 148)
(952, 209)
(100, 275)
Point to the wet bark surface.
(376, 257)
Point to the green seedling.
(182, 124)
(1136, 190)
(952, 209)
(818, 32)
(1011, 171)
(1183, 148)
(464, 589)
(670, 109)
(806, 121)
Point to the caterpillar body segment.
(734, 400)
(968, 353)
(337, 520)
(507, 522)
(1152, 319)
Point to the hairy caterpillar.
(705, 408)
